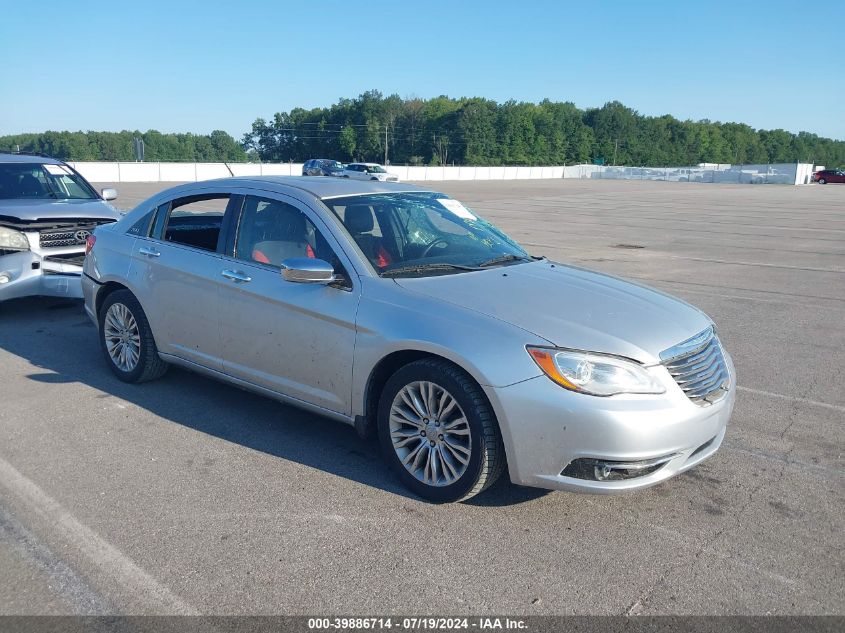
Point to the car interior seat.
(284, 235)
(358, 219)
(30, 187)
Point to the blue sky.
(198, 66)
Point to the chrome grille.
(62, 237)
(698, 366)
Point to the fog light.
(602, 472)
(5, 278)
(606, 470)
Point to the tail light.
(89, 243)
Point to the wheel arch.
(111, 286)
(104, 291)
(381, 373)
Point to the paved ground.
(184, 495)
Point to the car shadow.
(57, 338)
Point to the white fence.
(785, 173)
(778, 173)
(180, 172)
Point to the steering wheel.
(431, 245)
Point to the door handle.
(149, 252)
(236, 276)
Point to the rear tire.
(126, 339)
(448, 434)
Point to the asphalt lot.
(185, 495)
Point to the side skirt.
(263, 391)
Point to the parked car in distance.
(47, 212)
(398, 310)
(322, 167)
(368, 171)
(829, 175)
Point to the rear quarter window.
(141, 228)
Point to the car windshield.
(420, 234)
(376, 169)
(36, 180)
(332, 164)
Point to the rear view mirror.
(109, 194)
(305, 270)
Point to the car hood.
(572, 307)
(45, 210)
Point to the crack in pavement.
(638, 606)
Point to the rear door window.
(196, 221)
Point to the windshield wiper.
(418, 268)
(503, 259)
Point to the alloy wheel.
(430, 433)
(123, 337)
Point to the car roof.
(28, 158)
(318, 187)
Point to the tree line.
(119, 146)
(465, 131)
(475, 131)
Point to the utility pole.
(138, 148)
(615, 148)
(385, 144)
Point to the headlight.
(594, 374)
(13, 240)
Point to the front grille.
(69, 235)
(698, 366)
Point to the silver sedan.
(400, 311)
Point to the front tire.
(438, 433)
(822, 181)
(126, 339)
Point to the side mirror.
(305, 270)
(109, 194)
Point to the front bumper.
(545, 428)
(30, 275)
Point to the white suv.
(47, 212)
(368, 171)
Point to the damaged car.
(47, 212)
(400, 311)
